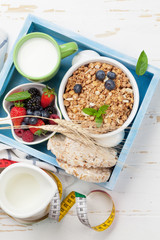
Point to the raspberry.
(53, 116)
(28, 136)
(19, 132)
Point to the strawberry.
(17, 110)
(38, 131)
(48, 97)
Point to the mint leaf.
(102, 110)
(40, 132)
(90, 111)
(142, 64)
(99, 121)
(98, 114)
(18, 96)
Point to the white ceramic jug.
(26, 192)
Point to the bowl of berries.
(30, 105)
(101, 94)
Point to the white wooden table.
(128, 26)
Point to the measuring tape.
(58, 210)
(5, 163)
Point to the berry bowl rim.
(7, 104)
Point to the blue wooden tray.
(10, 78)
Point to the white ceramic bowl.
(7, 120)
(113, 138)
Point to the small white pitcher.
(26, 192)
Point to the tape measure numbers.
(59, 209)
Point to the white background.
(129, 26)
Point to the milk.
(26, 192)
(37, 57)
(23, 193)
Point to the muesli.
(97, 86)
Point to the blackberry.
(34, 92)
(33, 103)
(38, 98)
(51, 110)
(41, 108)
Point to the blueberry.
(111, 75)
(100, 75)
(33, 120)
(23, 124)
(45, 114)
(29, 112)
(77, 88)
(26, 120)
(110, 84)
(37, 113)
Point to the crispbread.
(91, 174)
(78, 155)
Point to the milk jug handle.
(68, 48)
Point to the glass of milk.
(37, 56)
(26, 192)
